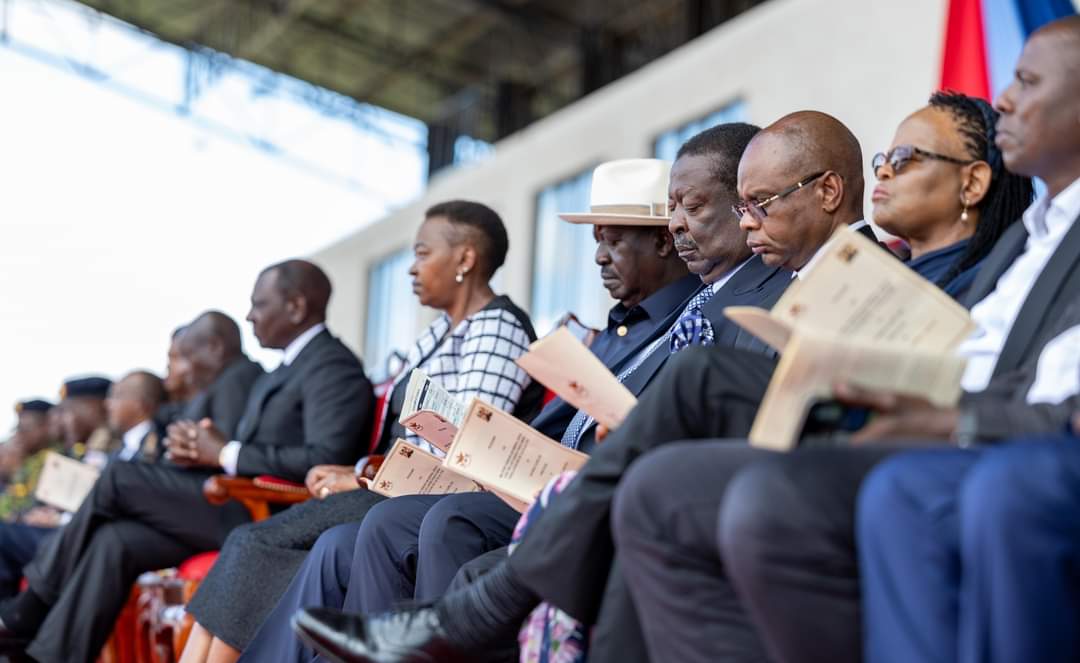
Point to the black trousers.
(700, 393)
(137, 518)
(787, 537)
(18, 543)
(664, 521)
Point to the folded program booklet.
(65, 482)
(506, 456)
(860, 316)
(430, 411)
(564, 365)
(409, 470)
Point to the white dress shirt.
(133, 439)
(1058, 374)
(1047, 221)
(230, 453)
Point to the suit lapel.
(266, 385)
(751, 278)
(1008, 248)
(1044, 293)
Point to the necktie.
(700, 332)
(693, 328)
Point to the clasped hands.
(323, 481)
(193, 444)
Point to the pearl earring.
(964, 214)
(460, 278)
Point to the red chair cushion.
(196, 568)
(273, 483)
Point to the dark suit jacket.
(1054, 291)
(319, 409)
(223, 402)
(556, 415)
(1053, 306)
(756, 284)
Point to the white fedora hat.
(627, 192)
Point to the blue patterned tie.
(693, 328)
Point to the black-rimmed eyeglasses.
(901, 155)
(756, 208)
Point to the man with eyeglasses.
(771, 208)
(702, 392)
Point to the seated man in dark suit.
(411, 546)
(218, 373)
(177, 385)
(566, 556)
(314, 408)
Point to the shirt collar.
(722, 281)
(1051, 216)
(134, 437)
(300, 342)
(798, 273)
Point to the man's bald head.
(209, 344)
(818, 151)
(811, 142)
(302, 278)
(218, 326)
(133, 400)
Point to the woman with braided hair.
(943, 188)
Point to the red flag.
(964, 67)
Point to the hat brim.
(598, 219)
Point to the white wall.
(868, 62)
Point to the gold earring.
(460, 278)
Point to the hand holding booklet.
(409, 470)
(65, 482)
(861, 316)
(564, 365)
(431, 411)
(506, 456)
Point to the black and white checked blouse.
(474, 360)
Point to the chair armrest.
(371, 467)
(255, 494)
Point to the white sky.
(120, 220)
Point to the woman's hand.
(325, 480)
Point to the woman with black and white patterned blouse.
(469, 350)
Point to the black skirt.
(259, 560)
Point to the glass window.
(565, 276)
(392, 312)
(668, 143)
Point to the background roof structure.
(477, 68)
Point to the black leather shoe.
(411, 636)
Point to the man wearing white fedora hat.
(695, 203)
(410, 547)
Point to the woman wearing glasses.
(943, 188)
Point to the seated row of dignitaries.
(129, 408)
(628, 208)
(469, 349)
(676, 557)
(566, 555)
(316, 407)
(710, 240)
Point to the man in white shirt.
(131, 405)
(787, 523)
